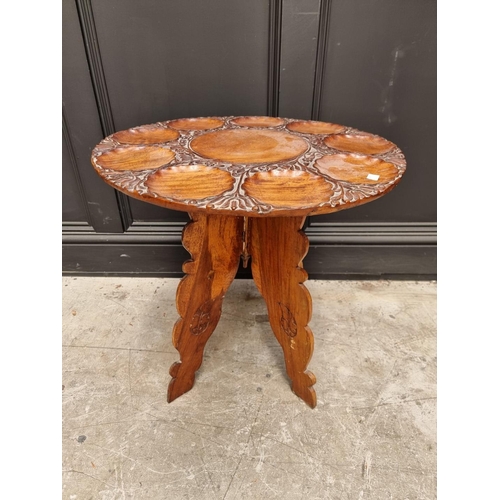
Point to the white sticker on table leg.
(373, 177)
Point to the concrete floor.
(241, 433)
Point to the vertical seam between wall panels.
(74, 166)
(96, 68)
(321, 51)
(274, 60)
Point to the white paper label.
(373, 177)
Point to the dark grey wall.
(370, 64)
(380, 75)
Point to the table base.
(276, 247)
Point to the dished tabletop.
(249, 165)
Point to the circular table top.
(249, 165)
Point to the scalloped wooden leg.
(215, 244)
(277, 247)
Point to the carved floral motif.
(236, 198)
(201, 318)
(287, 321)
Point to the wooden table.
(247, 183)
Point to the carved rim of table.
(176, 147)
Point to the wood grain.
(196, 123)
(359, 143)
(136, 158)
(277, 247)
(314, 127)
(249, 146)
(189, 181)
(285, 188)
(148, 134)
(260, 154)
(215, 245)
(357, 169)
(257, 121)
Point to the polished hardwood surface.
(215, 244)
(251, 166)
(277, 247)
(247, 183)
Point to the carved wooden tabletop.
(249, 166)
(248, 183)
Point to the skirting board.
(340, 251)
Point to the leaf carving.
(288, 323)
(237, 200)
(201, 318)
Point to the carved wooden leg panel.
(215, 244)
(277, 247)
